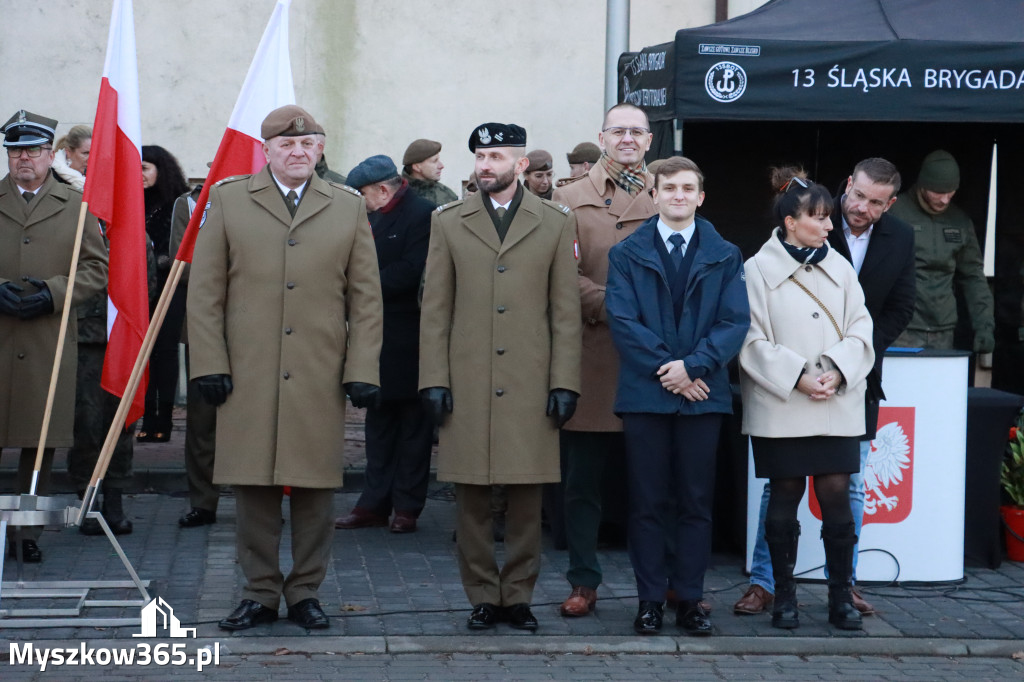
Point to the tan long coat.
(600, 226)
(268, 300)
(500, 327)
(37, 240)
(789, 332)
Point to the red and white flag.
(113, 190)
(267, 86)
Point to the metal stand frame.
(32, 510)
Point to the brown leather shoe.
(756, 600)
(360, 518)
(581, 601)
(861, 605)
(403, 523)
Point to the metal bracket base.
(76, 591)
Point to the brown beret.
(584, 152)
(540, 160)
(420, 150)
(289, 121)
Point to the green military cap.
(26, 129)
(420, 150)
(289, 121)
(584, 152)
(939, 173)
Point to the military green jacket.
(947, 253)
(431, 191)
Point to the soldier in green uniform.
(422, 168)
(947, 254)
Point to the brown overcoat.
(37, 240)
(500, 327)
(600, 226)
(290, 307)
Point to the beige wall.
(376, 74)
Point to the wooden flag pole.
(117, 425)
(64, 316)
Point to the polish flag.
(113, 190)
(267, 86)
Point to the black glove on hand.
(562, 405)
(39, 303)
(10, 302)
(363, 395)
(438, 400)
(215, 388)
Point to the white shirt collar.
(495, 205)
(285, 190)
(665, 231)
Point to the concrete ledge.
(540, 644)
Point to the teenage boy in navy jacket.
(678, 312)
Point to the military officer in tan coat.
(38, 221)
(284, 317)
(610, 202)
(500, 352)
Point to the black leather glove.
(39, 303)
(562, 405)
(363, 395)
(438, 400)
(10, 302)
(215, 388)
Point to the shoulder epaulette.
(230, 178)
(442, 207)
(568, 181)
(555, 205)
(350, 190)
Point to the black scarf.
(804, 255)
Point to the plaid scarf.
(629, 178)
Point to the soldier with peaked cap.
(499, 365)
(284, 317)
(38, 223)
(421, 168)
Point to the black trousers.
(670, 461)
(399, 436)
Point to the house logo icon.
(158, 612)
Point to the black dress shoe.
(197, 517)
(693, 617)
(648, 618)
(248, 614)
(520, 617)
(484, 617)
(30, 551)
(308, 614)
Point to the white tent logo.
(725, 81)
(159, 611)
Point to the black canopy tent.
(826, 83)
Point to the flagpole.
(64, 316)
(117, 425)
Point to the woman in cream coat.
(802, 372)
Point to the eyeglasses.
(31, 152)
(621, 132)
(794, 182)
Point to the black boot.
(89, 526)
(783, 538)
(113, 512)
(839, 540)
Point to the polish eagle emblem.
(889, 457)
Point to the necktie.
(28, 196)
(500, 212)
(677, 242)
(290, 200)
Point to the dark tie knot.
(677, 242)
(28, 195)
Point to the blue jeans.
(761, 562)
